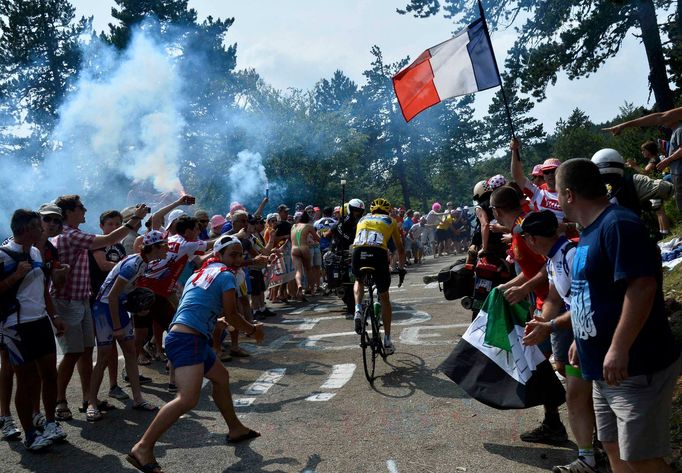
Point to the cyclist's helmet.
(380, 205)
(356, 204)
(609, 161)
(140, 299)
(498, 180)
(479, 189)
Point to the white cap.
(225, 241)
(172, 216)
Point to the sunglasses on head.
(55, 220)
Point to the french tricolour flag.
(459, 66)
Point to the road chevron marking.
(341, 374)
(260, 386)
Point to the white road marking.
(310, 343)
(320, 397)
(341, 374)
(265, 382)
(244, 402)
(392, 467)
(416, 335)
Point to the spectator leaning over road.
(72, 301)
(539, 231)
(531, 284)
(623, 338)
(113, 323)
(26, 332)
(208, 299)
(671, 119)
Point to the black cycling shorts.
(29, 341)
(257, 282)
(372, 257)
(443, 235)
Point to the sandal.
(145, 406)
(143, 360)
(152, 467)
(103, 406)
(62, 413)
(92, 414)
(239, 353)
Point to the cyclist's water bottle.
(377, 309)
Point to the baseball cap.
(50, 209)
(537, 170)
(225, 241)
(282, 208)
(217, 221)
(172, 216)
(153, 237)
(551, 163)
(543, 223)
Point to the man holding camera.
(72, 300)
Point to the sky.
(295, 43)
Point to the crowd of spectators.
(572, 233)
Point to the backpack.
(9, 304)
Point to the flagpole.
(497, 70)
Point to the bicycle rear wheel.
(367, 344)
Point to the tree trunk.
(658, 77)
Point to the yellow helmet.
(382, 205)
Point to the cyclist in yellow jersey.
(370, 249)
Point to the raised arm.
(516, 166)
(159, 215)
(653, 119)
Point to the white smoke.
(246, 177)
(120, 125)
(130, 123)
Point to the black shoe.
(143, 379)
(546, 434)
(268, 313)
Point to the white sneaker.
(39, 443)
(54, 432)
(39, 421)
(358, 322)
(389, 349)
(9, 429)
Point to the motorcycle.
(488, 273)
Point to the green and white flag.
(491, 363)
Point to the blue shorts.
(188, 349)
(104, 326)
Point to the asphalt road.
(305, 390)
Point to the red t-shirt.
(530, 262)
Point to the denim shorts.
(188, 349)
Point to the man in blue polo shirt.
(623, 342)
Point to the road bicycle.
(370, 339)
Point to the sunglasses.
(204, 221)
(55, 220)
(551, 171)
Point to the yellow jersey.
(445, 223)
(375, 230)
